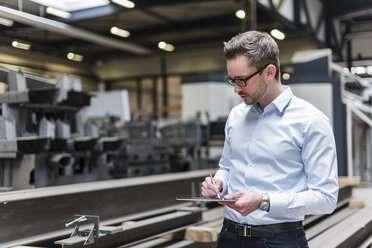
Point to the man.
(279, 156)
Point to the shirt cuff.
(220, 175)
(278, 204)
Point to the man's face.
(256, 86)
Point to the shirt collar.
(280, 102)
(283, 99)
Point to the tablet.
(206, 199)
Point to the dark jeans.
(291, 239)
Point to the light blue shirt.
(288, 151)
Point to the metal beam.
(155, 97)
(307, 16)
(152, 3)
(70, 31)
(296, 13)
(291, 24)
(330, 221)
(216, 22)
(349, 9)
(139, 95)
(349, 233)
(164, 77)
(39, 214)
(143, 229)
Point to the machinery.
(187, 140)
(45, 139)
(55, 134)
(142, 153)
(357, 96)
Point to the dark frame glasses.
(242, 82)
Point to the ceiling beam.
(154, 3)
(70, 31)
(346, 9)
(207, 23)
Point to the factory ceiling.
(186, 24)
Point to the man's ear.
(271, 71)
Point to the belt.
(262, 231)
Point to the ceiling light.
(119, 32)
(21, 45)
(165, 46)
(277, 34)
(124, 3)
(57, 12)
(286, 76)
(6, 22)
(369, 70)
(72, 5)
(75, 57)
(240, 14)
(360, 70)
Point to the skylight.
(72, 5)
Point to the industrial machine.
(187, 142)
(55, 134)
(45, 139)
(357, 96)
(142, 153)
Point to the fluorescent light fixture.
(72, 5)
(75, 57)
(57, 12)
(21, 45)
(369, 70)
(119, 32)
(359, 70)
(124, 3)
(240, 14)
(165, 46)
(277, 34)
(6, 22)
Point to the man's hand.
(248, 202)
(209, 190)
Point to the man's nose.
(237, 88)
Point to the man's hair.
(260, 47)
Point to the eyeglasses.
(242, 82)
